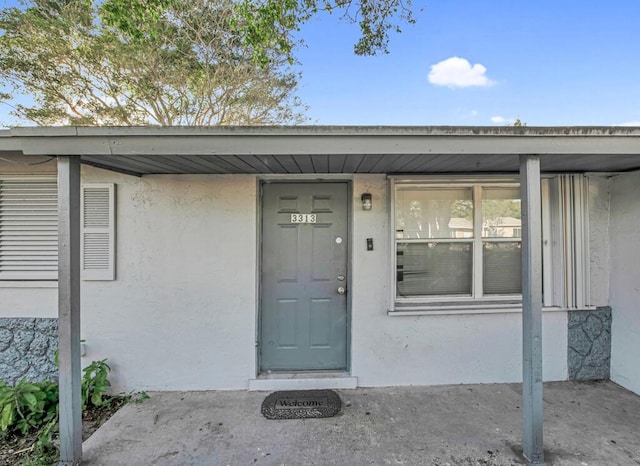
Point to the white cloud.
(631, 123)
(498, 119)
(458, 72)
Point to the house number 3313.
(303, 218)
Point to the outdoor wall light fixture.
(366, 201)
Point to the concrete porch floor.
(592, 423)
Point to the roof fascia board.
(9, 143)
(537, 131)
(328, 145)
(320, 140)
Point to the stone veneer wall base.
(27, 349)
(589, 341)
(28, 345)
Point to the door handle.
(341, 290)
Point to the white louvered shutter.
(98, 231)
(28, 228)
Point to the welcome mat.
(301, 404)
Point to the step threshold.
(303, 381)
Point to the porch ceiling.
(290, 150)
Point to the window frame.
(565, 227)
(475, 184)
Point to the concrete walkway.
(585, 424)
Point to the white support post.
(69, 310)
(532, 441)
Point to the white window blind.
(566, 267)
(98, 231)
(28, 228)
(457, 241)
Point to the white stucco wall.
(182, 312)
(24, 299)
(430, 349)
(625, 280)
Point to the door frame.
(310, 179)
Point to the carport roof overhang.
(391, 150)
(332, 149)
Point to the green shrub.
(32, 409)
(95, 383)
(28, 408)
(27, 405)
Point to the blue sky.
(473, 62)
(547, 62)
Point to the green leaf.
(96, 399)
(23, 426)
(6, 419)
(31, 399)
(30, 387)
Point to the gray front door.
(304, 277)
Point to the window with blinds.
(28, 228)
(459, 241)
